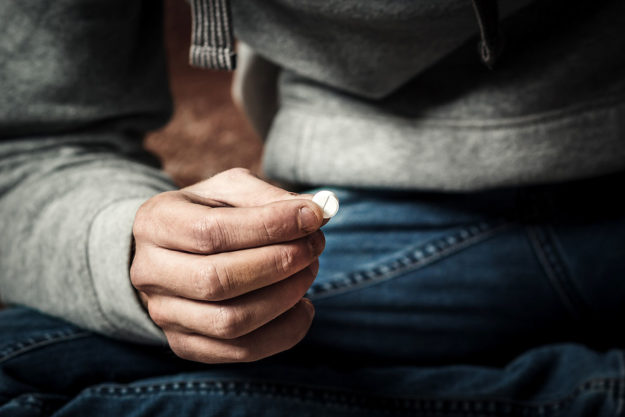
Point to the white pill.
(328, 202)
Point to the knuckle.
(229, 323)
(157, 315)
(300, 328)
(210, 284)
(139, 227)
(273, 224)
(284, 259)
(208, 235)
(233, 174)
(178, 343)
(313, 268)
(143, 223)
(239, 172)
(138, 273)
(244, 353)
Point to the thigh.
(45, 361)
(565, 381)
(431, 278)
(49, 368)
(583, 250)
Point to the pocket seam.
(410, 259)
(17, 348)
(551, 261)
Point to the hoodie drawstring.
(212, 40)
(491, 45)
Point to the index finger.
(196, 228)
(238, 187)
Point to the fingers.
(276, 336)
(233, 318)
(223, 265)
(224, 275)
(238, 187)
(171, 221)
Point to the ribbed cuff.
(212, 40)
(109, 258)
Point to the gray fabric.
(254, 88)
(366, 48)
(386, 93)
(305, 148)
(396, 96)
(81, 80)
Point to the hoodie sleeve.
(82, 81)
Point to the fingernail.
(316, 243)
(309, 306)
(314, 268)
(308, 220)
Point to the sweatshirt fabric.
(388, 94)
(81, 81)
(396, 93)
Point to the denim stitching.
(45, 404)
(410, 259)
(15, 349)
(556, 272)
(348, 399)
(28, 401)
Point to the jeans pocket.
(24, 330)
(409, 258)
(549, 256)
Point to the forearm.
(82, 80)
(67, 212)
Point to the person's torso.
(396, 92)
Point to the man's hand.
(222, 266)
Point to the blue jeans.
(501, 303)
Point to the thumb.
(238, 187)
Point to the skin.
(222, 266)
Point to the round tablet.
(328, 202)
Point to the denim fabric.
(504, 303)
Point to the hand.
(222, 266)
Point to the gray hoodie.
(394, 91)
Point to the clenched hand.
(222, 266)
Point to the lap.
(475, 278)
(48, 367)
(410, 286)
